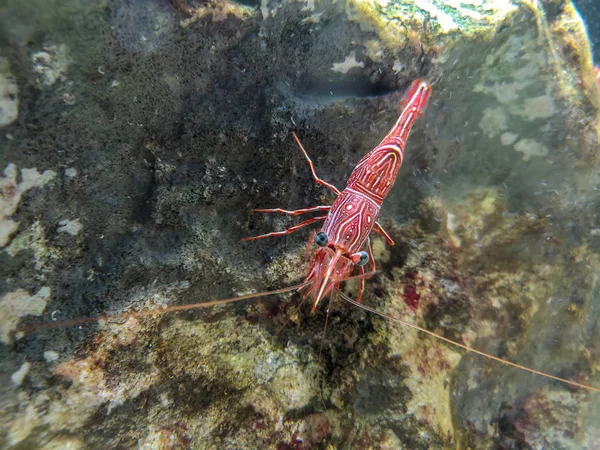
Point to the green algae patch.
(176, 127)
(229, 352)
(471, 279)
(432, 23)
(217, 10)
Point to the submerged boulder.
(163, 123)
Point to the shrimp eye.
(321, 239)
(363, 259)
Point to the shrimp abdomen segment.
(375, 174)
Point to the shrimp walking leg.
(288, 231)
(361, 289)
(379, 229)
(296, 212)
(318, 180)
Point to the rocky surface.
(136, 136)
(590, 11)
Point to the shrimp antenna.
(28, 329)
(150, 312)
(465, 347)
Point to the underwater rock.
(18, 304)
(72, 227)
(435, 24)
(50, 63)
(11, 192)
(9, 94)
(19, 375)
(163, 123)
(218, 10)
(141, 26)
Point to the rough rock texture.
(9, 94)
(590, 11)
(152, 127)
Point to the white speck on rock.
(313, 18)
(68, 98)
(73, 227)
(310, 5)
(493, 122)
(349, 63)
(398, 66)
(508, 138)
(18, 377)
(11, 193)
(71, 172)
(7, 228)
(17, 304)
(541, 107)
(530, 148)
(9, 94)
(50, 356)
(50, 63)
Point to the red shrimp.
(353, 215)
(345, 233)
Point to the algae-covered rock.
(161, 124)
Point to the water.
(136, 136)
